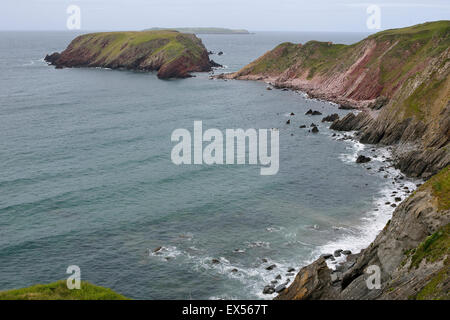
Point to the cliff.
(412, 252)
(399, 79)
(172, 54)
(59, 291)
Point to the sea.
(87, 180)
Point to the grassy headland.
(59, 291)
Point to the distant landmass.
(205, 30)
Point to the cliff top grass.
(440, 184)
(59, 291)
(433, 247)
(111, 45)
(204, 30)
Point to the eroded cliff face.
(412, 253)
(172, 54)
(399, 78)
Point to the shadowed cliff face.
(172, 54)
(399, 78)
(412, 252)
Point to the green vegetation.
(435, 289)
(209, 30)
(432, 248)
(59, 291)
(441, 188)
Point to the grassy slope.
(399, 56)
(58, 291)
(437, 246)
(112, 45)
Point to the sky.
(253, 15)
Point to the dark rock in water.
(157, 249)
(314, 130)
(292, 114)
(220, 53)
(280, 288)
(268, 88)
(313, 124)
(309, 112)
(278, 277)
(210, 52)
(398, 199)
(271, 267)
(288, 122)
(387, 202)
(337, 253)
(393, 205)
(316, 113)
(290, 274)
(331, 118)
(269, 289)
(264, 260)
(215, 261)
(326, 256)
(346, 252)
(362, 159)
(274, 281)
(302, 126)
(234, 270)
(291, 269)
(285, 89)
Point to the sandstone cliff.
(400, 81)
(172, 54)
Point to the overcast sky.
(276, 15)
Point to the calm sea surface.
(86, 176)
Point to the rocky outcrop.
(172, 54)
(412, 254)
(399, 80)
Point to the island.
(207, 30)
(399, 80)
(171, 53)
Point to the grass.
(432, 248)
(59, 291)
